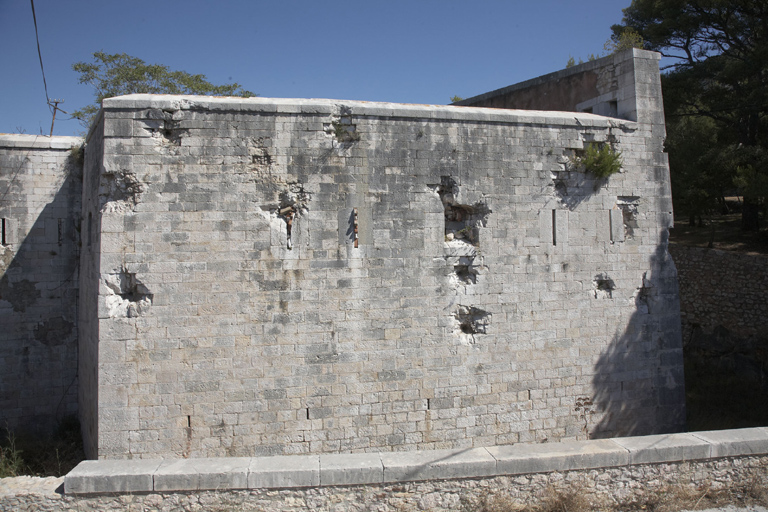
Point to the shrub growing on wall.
(600, 160)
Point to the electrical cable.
(39, 53)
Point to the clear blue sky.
(417, 51)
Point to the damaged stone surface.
(462, 221)
(312, 276)
(119, 191)
(341, 126)
(126, 297)
(471, 320)
(603, 286)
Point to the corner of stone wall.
(88, 321)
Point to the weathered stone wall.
(296, 276)
(724, 310)
(40, 192)
(90, 281)
(623, 85)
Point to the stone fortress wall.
(314, 276)
(40, 191)
(262, 276)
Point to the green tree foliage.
(624, 40)
(601, 160)
(118, 74)
(617, 43)
(716, 87)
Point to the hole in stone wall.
(171, 134)
(628, 206)
(293, 204)
(462, 221)
(287, 215)
(261, 159)
(467, 274)
(4, 231)
(342, 128)
(603, 286)
(126, 295)
(472, 320)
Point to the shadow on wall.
(38, 307)
(638, 380)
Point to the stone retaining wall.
(653, 465)
(722, 289)
(724, 311)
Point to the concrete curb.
(114, 476)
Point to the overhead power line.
(39, 53)
(53, 105)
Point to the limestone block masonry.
(40, 191)
(270, 276)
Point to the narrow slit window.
(4, 233)
(554, 227)
(356, 229)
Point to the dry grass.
(552, 500)
(53, 455)
(669, 499)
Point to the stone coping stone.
(519, 459)
(202, 474)
(327, 107)
(437, 464)
(18, 140)
(729, 443)
(292, 471)
(284, 472)
(351, 468)
(664, 448)
(100, 476)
